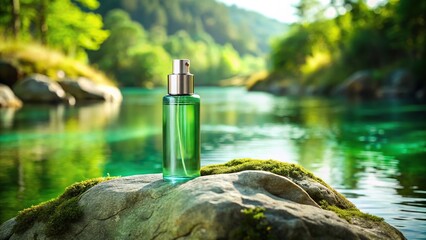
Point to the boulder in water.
(248, 204)
(40, 88)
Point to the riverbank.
(29, 58)
(397, 83)
(37, 74)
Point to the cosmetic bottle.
(181, 125)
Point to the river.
(374, 152)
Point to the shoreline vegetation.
(363, 51)
(31, 57)
(221, 41)
(32, 73)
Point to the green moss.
(290, 170)
(253, 225)
(280, 168)
(32, 58)
(57, 213)
(350, 214)
(345, 208)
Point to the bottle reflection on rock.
(181, 125)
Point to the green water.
(181, 137)
(372, 152)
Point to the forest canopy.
(133, 41)
(321, 52)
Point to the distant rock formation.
(40, 88)
(84, 89)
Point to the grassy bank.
(34, 58)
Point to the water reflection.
(6, 117)
(45, 148)
(373, 152)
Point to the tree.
(42, 21)
(132, 60)
(74, 29)
(113, 54)
(16, 20)
(64, 24)
(149, 66)
(309, 10)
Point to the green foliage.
(351, 214)
(318, 51)
(220, 41)
(128, 55)
(280, 168)
(74, 30)
(57, 213)
(307, 49)
(292, 171)
(246, 31)
(64, 25)
(255, 31)
(33, 58)
(149, 65)
(345, 210)
(310, 10)
(137, 60)
(254, 225)
(142, 36)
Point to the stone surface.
(358, 84)
(8, 98)
(40, 88)
(400, 83)
(84, 89)
(208, 207)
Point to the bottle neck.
(180, 84)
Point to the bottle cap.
(181, 81)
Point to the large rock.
(40, 88)
(9, 73)
(84, 89)
(359, 84)
(208, 207)
(400, 83)
(8, 98)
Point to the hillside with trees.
(214, 36)
(378, 50)
(134, 41)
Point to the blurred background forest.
(133, 42)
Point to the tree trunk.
(43, 23)
(16, 21)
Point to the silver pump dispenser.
(181, 81)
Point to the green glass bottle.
(181, 126)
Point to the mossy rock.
(57, 213)
(302, 177)
(254, 225)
